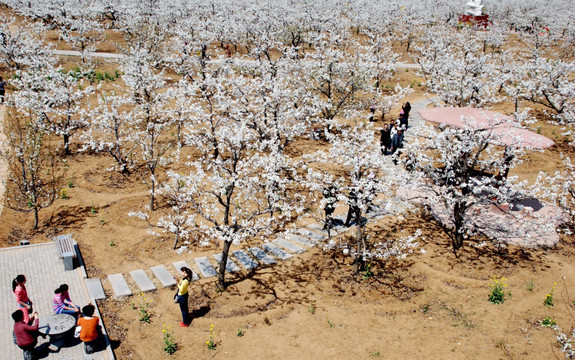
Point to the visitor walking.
(62, 302)
(330, 195)
(372, 113)
(405, 109)
(182, 295)
(26, 335)
(22, 301)
(385, 139)
(354, 210)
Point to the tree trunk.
(458, 217)
(221, 285)
(35, 218)
(67, 145)
(359, 261)
(176, 241)
(152, 192)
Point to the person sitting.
(62, 303)
(90, 329)
(26, 336)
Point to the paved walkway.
(44, 272)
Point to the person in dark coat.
(385, 139)
(354, 210)
(330, 194)
(2, 89)
(406, 108)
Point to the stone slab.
(205, 267)
(230, 265)
(119, 285)
(336, 229)
(163, 275)
(300, 239)
(262, 256)
(315, 236)
(245, 260)
(94, 286)
(142, 280)
(180, 264)
(276, 251)
(289, 246)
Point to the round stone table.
(57, 327)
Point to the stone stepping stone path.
(205, 267)
(163, 275)
(276, 251)
(300, 239)
(95, 288)
(180, 264)
(119, 285)
(230, 265)
(289, 246)
(262, 256)
(142, 280)
(312, 234)
(245, 260)
(335, 230)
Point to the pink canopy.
(504, 129)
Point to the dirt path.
(3, 163)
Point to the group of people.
(26, 320)
(391, 136)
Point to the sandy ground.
(433, 306)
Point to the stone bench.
(65, 246)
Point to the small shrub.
(498, 286)
(329, 322)
(367, 273)
(547, 322)
(312, 308)
(170, 345)
(530, 285)
(64, 194)
(240, 333)
(211, 344)
(93, 210)
(549, 300)
(143, 307)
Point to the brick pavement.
(44, 272)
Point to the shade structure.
(503, 129)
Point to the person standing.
(62, 302)
(354, 210)
(182, 295)
(372, 115)
(90, 329)
(330, 195)
(26, 335)
(22, 301)
(2, 89)
(385, 139)
(405, 109)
